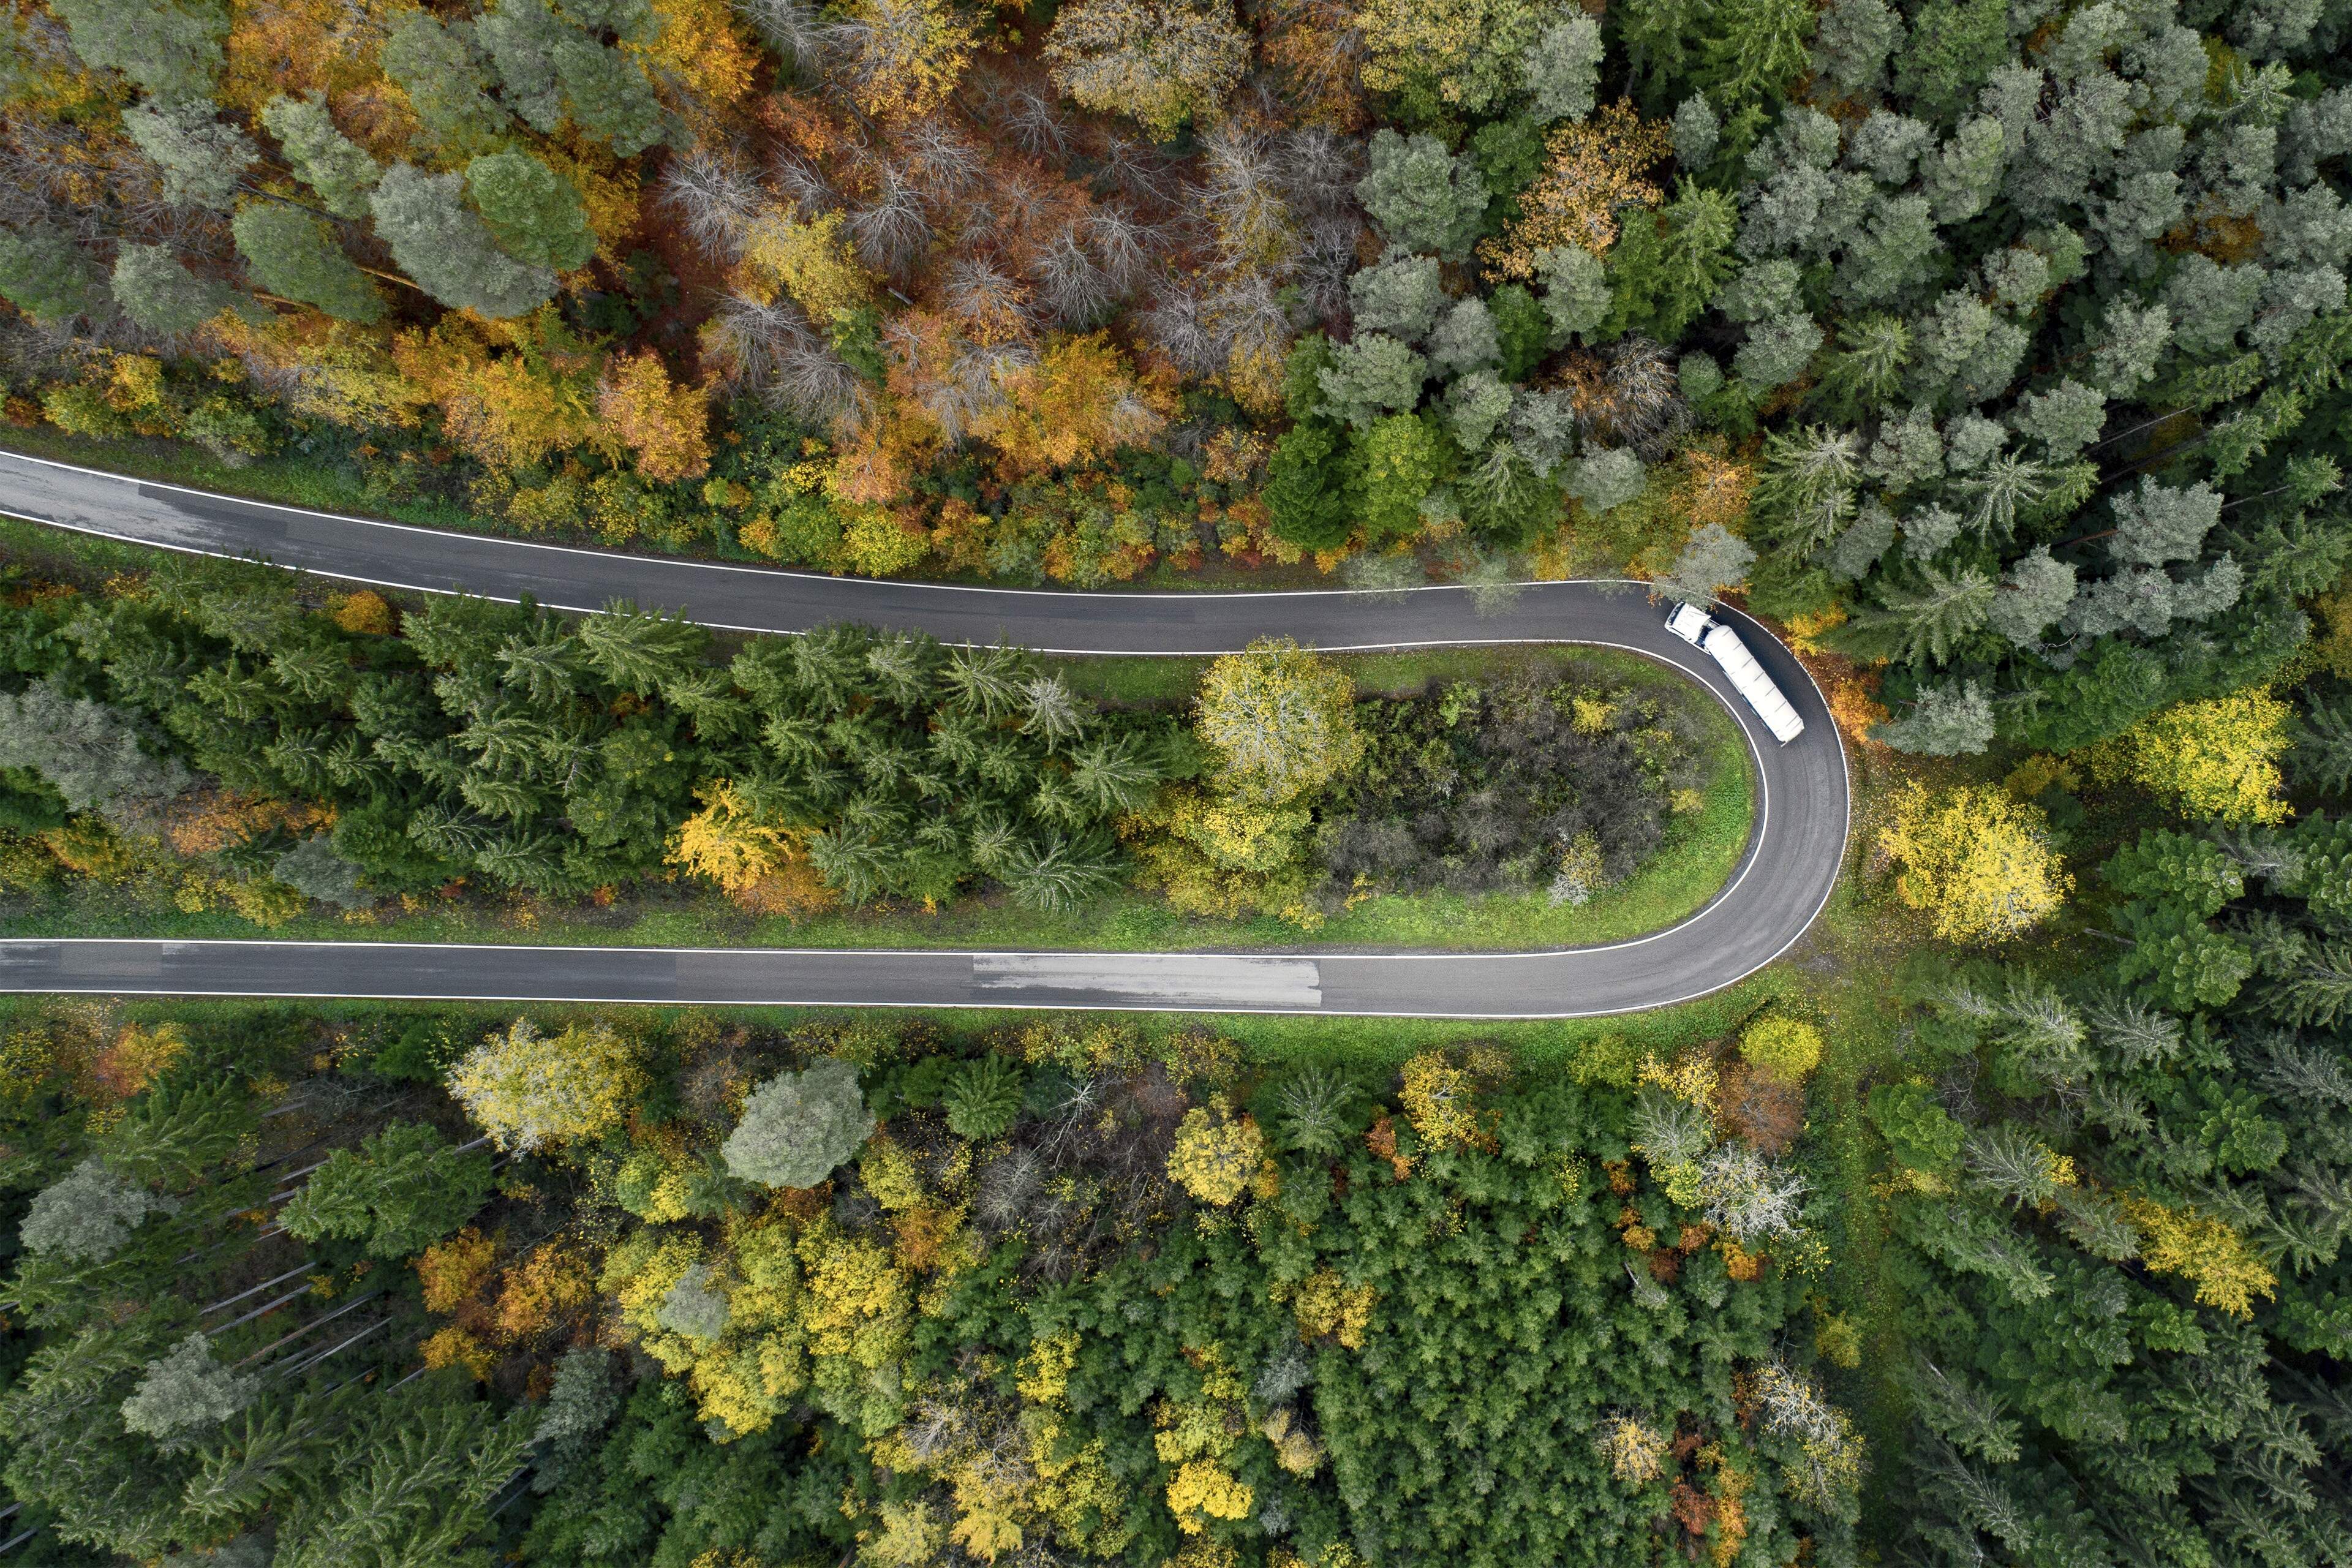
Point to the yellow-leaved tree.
(1282, 719)
(1217, 1153)
(527, 1090)
(1281, 722)
(1979, 861)
(666, 426)
(2218, 760)
(760, 866)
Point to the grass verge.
(1603, 1047)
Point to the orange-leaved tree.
(666, 426)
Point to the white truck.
(1721, 644)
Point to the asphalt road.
(1780, 887)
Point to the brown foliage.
(543, 1292)
(454, 1271)
(1760, 1108)
(1593, 169)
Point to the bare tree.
(1072, 287)
(1645, 398)
(1242, 196)
(1034, 123)
(793, 28)
(1320, 168)
(714, 197)
(891, 232)
(1247, 313)
(798, 182)
(946, 162)
(1124, 245)
(771, 349)
(995, 302)
(1179, 324)
(1135, 167)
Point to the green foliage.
(159, 294)
(44, 274)
(406, 1188)
(290, 252)
(451, 252)
(983, 1099)
(1423, 197)
(1398, 461)
(1664, 271)
(1916, 1128)
(798, 1126)
(330, 163)
(2179, 1248)
(445, 80)
(1306, 487)
(171, 49)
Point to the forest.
(1993, 352)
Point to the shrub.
(984, 1100)
(1787, 1049)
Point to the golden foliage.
(907, 56)
(297, 46)
(1593, 169)
(452, 1270)
(335, 371)
(2202, 1249)
(453, 1346)
(1165, 62)
(363, 614)
(547, 1287)
(1204, 1490)
(666, 426)
(1223, 858)
(610, 194)
(1690, 1078)
(509, 409)
(1325, 1304)
(702, 48)
(526, 1089)
(730, 843)
(1078, 403)
(1294, 1449)
(1282, 719)
(132, 1061)
(1216, 1152)
(1441, 1101)
(1976, 860)
(858, 1305)
(1786, 1048)
(2218, 760)
(1316, 51)
(1636, 1452)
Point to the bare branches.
(769, 348)
(714, 197)
(891, 231)
(793, 28)
(1035, 123)
(1071, 284)
(992, 303)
